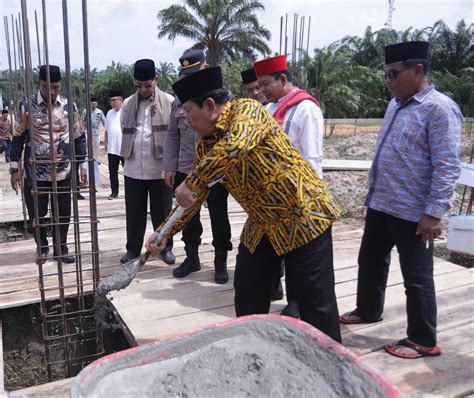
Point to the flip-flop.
(419, 352)
(344, 318)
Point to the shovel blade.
(121, 278)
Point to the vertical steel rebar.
(10, 80)
(14, 45)
(15, 84)
(286, 34)
(281, 33)
(73, 163)
(36, 221)
(12, 113)
(307, 42)
(91, 176)
(54, 214)
(20, 61)
(38, 40)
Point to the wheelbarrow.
(256, 355)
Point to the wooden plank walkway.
(346, 165)
(156, 305)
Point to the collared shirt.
(416, 162)
(60, 146)
(280, 191)
(5, 128)
(114, 131)
(304, 124)
(97, 116)
(181, 141)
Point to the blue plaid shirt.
(97, 116)
(416, 162)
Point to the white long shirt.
(114, 131)
(304, 124)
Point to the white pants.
(96, 146)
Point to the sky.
(124, 31)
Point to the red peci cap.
(270, 65)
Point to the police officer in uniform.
(179, 153)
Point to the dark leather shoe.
(168, 257)
(128, 257)
(68, 259)
(292, 309)
(221, 277)
(278, 293)
(113, 196)
(220, 267)
(186, 267)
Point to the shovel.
(121, 278)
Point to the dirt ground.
(24, 353)
(442, 251)
(350, 187)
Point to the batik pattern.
(280, 191)
(416, 164)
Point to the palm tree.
(345, 88)
(225, 29)
(167, 73)
(452, 50)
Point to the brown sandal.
(418, 352)
(345, 318)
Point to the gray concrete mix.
(256, 358)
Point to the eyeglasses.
(139, 86)
(392, 74)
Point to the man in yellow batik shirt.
(290, 209)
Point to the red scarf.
(294, 97)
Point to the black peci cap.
(248, 76)
(54, 73)
(198, 83)
(93, 99)
(144, 70)
(405, 51)
(115, 93)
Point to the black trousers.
(5, 146)
(381, 233)
(312, 273)
(136, 205)
(114, 162)
(64, 210)
(218, 212)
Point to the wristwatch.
(13, 170)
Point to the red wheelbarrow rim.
(319, 338)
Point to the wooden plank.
(56, 389)
(352, 121)
(346, 165)
(442, 282)
(374, 336)
(139, 304)
(443, 376)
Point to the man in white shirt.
(144, 119)
(299, 114)
(113, 140)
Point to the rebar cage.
(72, 339)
